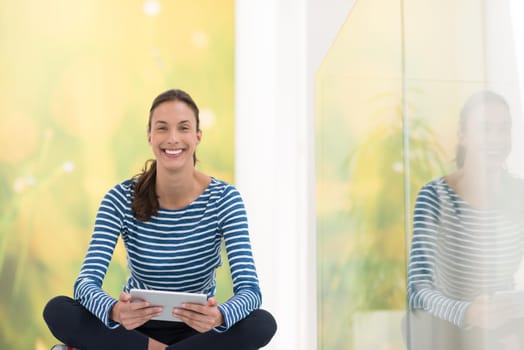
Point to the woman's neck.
(178, 190)
(478, 187)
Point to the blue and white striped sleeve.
(88, 286)
(422, 293)
(234, 225)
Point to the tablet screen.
(168, 300)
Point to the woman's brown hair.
(145, 200)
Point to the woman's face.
(486, 135)
(174, 136)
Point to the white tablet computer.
(168, 300)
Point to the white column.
(270, 168)
(275, 62)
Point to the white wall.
(279, 46)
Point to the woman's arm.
(88, 286)
(234, 225)
(422, 292)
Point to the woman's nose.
(498, 135)
(173, 136)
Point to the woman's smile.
(173, 152)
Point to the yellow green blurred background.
(77, 80)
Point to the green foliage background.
(77, 80)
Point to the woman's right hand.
(487, 314)
(133, 314)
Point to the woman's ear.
(199, 136)
(148, 137)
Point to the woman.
(468, 241)
(172, 220)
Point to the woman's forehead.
(489, 112)
(173, 109)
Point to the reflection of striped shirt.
(459, 252)
(176, 250)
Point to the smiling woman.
(173, 220)
(468, 240)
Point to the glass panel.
(360, 216)
(389, 98)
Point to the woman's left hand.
(201, 318)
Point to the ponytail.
(460, 156)
(145, 200)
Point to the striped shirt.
(459, 252)
(175, 250)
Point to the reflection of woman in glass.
(468, 241)
(173, 220)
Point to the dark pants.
(74, 325)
